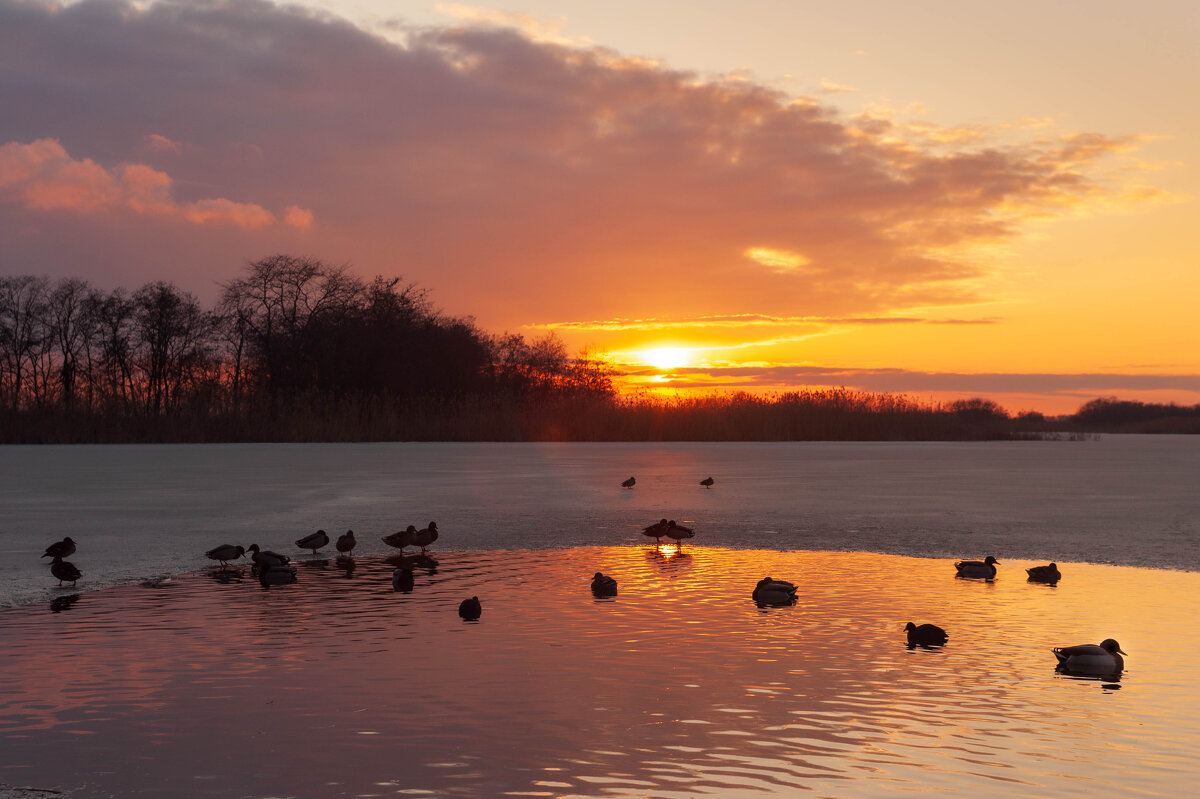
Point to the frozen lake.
(145, 511)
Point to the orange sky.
(937, 199)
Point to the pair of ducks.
(314, 541)
(1091, 660)
(412, 537)
(669, 529)
(987, 570)
(707, 482)
(61, 569)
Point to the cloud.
(520, 174)
(533, 28)
(42, 176)
(745, 321)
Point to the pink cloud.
(297, 217)
(158, 143)
(42, 176)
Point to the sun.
(666, 357)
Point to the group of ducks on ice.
(1098, 660)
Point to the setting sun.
(666, 357)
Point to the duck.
(775, 593)
(1044, 574)
(470, 609)
(314, 541)
(630, 483)
(60, 549)
(401, 539)
(225, 553)
(656, 531)
(423, 538)
(977, 568)
(347, 542)
(925, 635)
(707, 482)
(603, 584)
(1103, 658)
(265, 559)
(402, 579)
(678, 532)
(278, 574)
(64, 571)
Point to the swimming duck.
(1044, 574)
(401, 539)
(629, 483)
(707, 482)
(603, 585)
(774, 593)
(402, 579)
(279, 574)
(925, 635)
(656, 531)
(470, 609)
(678, 532)
(64, 571)
(423, 538)
(976, 568)
(60, 549)
(314, 541)
(225, 553)
(1102, 658)
(265, 559)
(347, 543)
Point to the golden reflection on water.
(337, 685)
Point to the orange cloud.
(42, 176)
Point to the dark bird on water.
(774, 593)
(707, 482)
(60, 549)
(1099, 659)
(347, 543)
(603, 585)
(64, 571)
(402, 579)
(925, 635)
(265, 559)
(629, 483)
(977, 568)
(656, 531)
(470, 609)
(401, 539)
(678, 532)
(314, 541)
(1044, 574)
(225, 553)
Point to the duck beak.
(1122, 652)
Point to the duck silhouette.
(977, 568)
(401, 539)
(265, 559)
(1091, 659)
(402, 579)
(656, 531)
(470, 609)
(63, 570)
(925, 635)
(678, 532)
(603, 585)
(707, 482)
(347, 542)
(630, 483)
(774, 593)
(314, 541)
(1044, 574)
(225, 553)
(60, 549)
(423, 538)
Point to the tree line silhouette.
(299, 350)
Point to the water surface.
(212, 685)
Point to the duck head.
(1109, 645)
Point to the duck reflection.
(410, 562)
(347, 565)
(669, 558)
(226, 575)
(62, 603)
(276, 575)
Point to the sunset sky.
(941, 199)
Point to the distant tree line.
(299, 350)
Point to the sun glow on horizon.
(666, 357)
